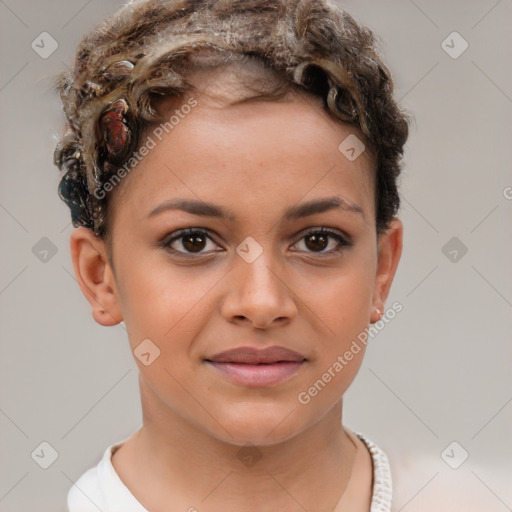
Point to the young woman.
(231, 172)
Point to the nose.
(259, 294)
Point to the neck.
(174, 462)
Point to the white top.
(101, 489)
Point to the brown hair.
(144, 50)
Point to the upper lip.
(250, 355)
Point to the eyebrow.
(293, 213)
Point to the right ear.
(95, 276)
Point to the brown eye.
(319, 240)
(188, 241)
(194, 243)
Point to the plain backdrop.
(438, 374)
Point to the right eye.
(188, 241)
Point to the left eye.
(193, 241)
(318, 241)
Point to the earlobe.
(390, 250)
(94, 276)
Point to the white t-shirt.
(101, 489)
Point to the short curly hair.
(144, 51)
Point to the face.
(246, 228)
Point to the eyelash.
(177, 235)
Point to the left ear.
(390, 250)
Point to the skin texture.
(255, 159)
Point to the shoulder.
(86, 494)
(97, 487)
(430, 478)
(100, 488)
(382, 484)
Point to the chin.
(259, 424)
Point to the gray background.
(438, 373)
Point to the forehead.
(250, 156)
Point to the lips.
(252, 367)
(249, 355)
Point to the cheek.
(167, 303)
(344, 308)
(343, 301)
(343, 304)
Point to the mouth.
(252, 367)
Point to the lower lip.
(258, 375)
